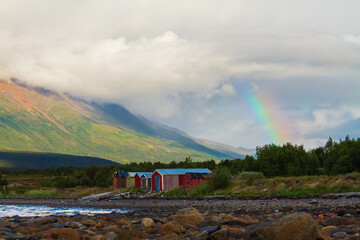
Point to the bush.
(250, 175)
(203, 189)
(220, 179)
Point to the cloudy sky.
(244, 73)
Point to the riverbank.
(336, 217)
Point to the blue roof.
(122, 173)
(148, 174)
(132, 174)
(177, 171)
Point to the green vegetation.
(36, 122)
(292, 160)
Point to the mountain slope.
(235, 152)
(35, 119)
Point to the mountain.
(38, 120)
(235, 152)
(27, 160)
(247, 150)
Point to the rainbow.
(263, 117)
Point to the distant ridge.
(33, 160)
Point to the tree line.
(293, 160)
(271, 160)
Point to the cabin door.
(143, 182)
(157, 183)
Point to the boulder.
(297, 226)
(26, 230)
(147, 222)
(338, 221)
(220, 234)
(188, 216)
(110, 236)
(88, 222)
(62, 233)
(97, 237)
(44, 220)
(328, 228)
(169, 236)
(171, 227)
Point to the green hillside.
(33, 119)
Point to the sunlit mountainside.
(36, 119)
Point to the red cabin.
(192, 179)
(138, 178)
(137, 181)
(166, 179)
(119, 179)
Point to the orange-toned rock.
(26, 230)
(235, 230)
(188, 216)
(60, 233)
(171, 227)
(170, 236)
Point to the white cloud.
(182, 60)
(352, 39)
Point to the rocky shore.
(304, 218)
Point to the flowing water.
(32, 211)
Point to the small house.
(166, 179)
(119, 179)
(146, 180)
(130, 180)
(138, 175)
(192, 179)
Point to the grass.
(30, 186)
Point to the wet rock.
(188, 216)
(154, 229)
(339, 235)
(226, 217)
(45, 220)
(88, 222)
(300, 226)
(26, 230)
(338, 221)
(171, 227)
(9, 234)
(235, 230)
(241, 222)
(97, 237)
(169, 236)
(90, 232)
(328, 228)
(202, 236)
(111, 228)
(216, 218)
(73, 224)
(147, 222)
(63, 233)
(57, 225)
(210, 229)
(220, 234)
(353, 238)
(110, 236)
(209, 222)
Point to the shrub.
(250, 175)
(203, 189)
(220, 179)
